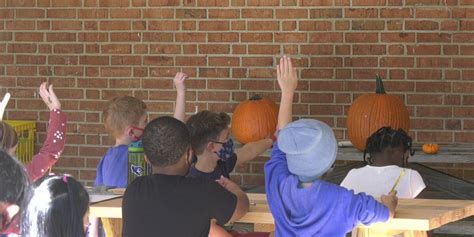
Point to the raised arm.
(180, 109)
(287, 79)
(252, 149)
(55, 138)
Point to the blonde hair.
(121, 112)
(8, 136)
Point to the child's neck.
(205, 164)
(122, 141)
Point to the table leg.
(112, 227)
(412, 233)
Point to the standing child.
(388, 151)
(301, 203)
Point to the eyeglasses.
(222, 143)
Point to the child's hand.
(390, 201)
(49, 97)
(286, 75)
(179, 81)
(228, 184)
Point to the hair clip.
(65, 179)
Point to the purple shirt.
(324, 209)
(112, 169)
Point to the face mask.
(132, 133)
(227, 150)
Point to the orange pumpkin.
(254, 119)
(370, 112)
(430, 148)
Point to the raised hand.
(49, 97)
(179, 80)
(286, 75)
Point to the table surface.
(411, 214)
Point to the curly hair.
(384, 138)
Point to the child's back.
(388, 149)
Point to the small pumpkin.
(370, 112)
(430, 148)
(254, 119)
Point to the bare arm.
(287, 79)
(180, 109)
(243, 202)
(252, 149)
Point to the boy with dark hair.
(388, 150)
(301, 203)
(213, 147)
(168, 203)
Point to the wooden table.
(413, 216)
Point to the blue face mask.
(227, 150)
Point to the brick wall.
(93, 50)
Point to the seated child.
(168, 202)
(301, 203)
(213, 147)
(388, 151)
(124, 118)
(52, 147)
(14, 188)
(59, 206)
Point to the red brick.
(61, 13)
(16, 3)
(361, 13)
(422, 2)
(423, 50)
(317, 3)
(398, 37)
(463, 87)
(94, 60)
(463, 38)
(326, 13)
(28, 59)
(190, 61)
(315, 25)
(66, 25)
(463, 62)
(421, 25)
(63, 36)
(423, 74)
(153, 3)
(464, 137)
(432, 13)
(292, 14)
(20, 25)
(433, 37)
(257, 13)
(290, 37)
(223, 13)
(331, 37)
(433, 86)
(368, 25)
(426, 124)
(191, 13)
(158, 13)
(256, 37)
(29, 13)
(115, 72)
(396, 13)
(361, 62)
(264, 3)
(91, 13)
(361, 37)
(449, 25)
(263, 25)
(62, 60)
(115, 25)
(66, 3)
(224, 61)
(464, 112)
(368, 3)
(124, 13)
(116, 48)
(424, 99)
(368, 49)
(68, 48)
(325, 110)
(213, 25)
(396, 62)
(433, 62)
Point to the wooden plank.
(112, 227)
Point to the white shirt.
(376, 181)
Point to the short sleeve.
(348, 181)
(230, 163)
(416, 183)
(221, 202)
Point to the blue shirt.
(223, 168)
(112, 169)
(324, 209)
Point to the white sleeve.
(348, 181)
(416, 183)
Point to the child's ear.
(210, 146)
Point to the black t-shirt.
(223, 168)
(169, 205)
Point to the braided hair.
(386, 137)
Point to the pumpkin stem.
(379, 85)
(256, 97)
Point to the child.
(214, 149)
(168, 203)
(388, 151)
(59, 206)
(301, 203)
(14, 187)
(55, 139)
(125, 117)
